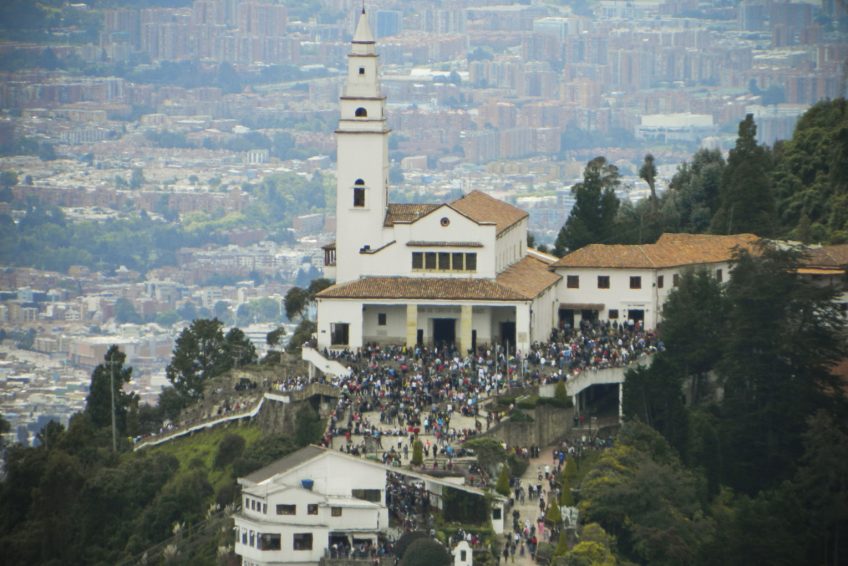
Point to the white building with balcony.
(295, 509)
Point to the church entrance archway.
(444, 331)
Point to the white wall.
(544, 316)
(395, 323)
(619, 295)
(332, 311)
(396, 259)
(511, 245)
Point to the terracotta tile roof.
(444, 288)
(480, 207)
(403, 212)
(529, 277)
(671, 250)
(827, 256)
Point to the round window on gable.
(445, 221)
(361, 112)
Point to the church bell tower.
(362, 144)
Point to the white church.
(461, 272)
(457, 272)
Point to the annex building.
(460, 272)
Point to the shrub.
(230, 448)
(406, 540)
(519, 416)
(502, 486)
(426, 552)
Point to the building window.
(463, 555)
(372, 495)
(675, 280)
(302, 541)
(339, 334)
(381, 319)
(286, 509)
(660, 281)
(445, 221)
(458, 261)
(572, 281)
(243, 534)
(635, 282)
(264, 508)
(358, 197)
(444, 261)
(613, 314)
(361, 70)
(361, 112)
(269, 541)
(603, 282)
(496, 513)
(336, 511)
(719, 275)
(312, 509)
(252, 538)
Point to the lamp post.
(112, 391)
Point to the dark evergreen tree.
(239, 351)
(694, 190)
(199, 354)
(592, 220)
(782, 339)
(746, 203)
(98, 404)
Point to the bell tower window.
(361, 112)
(361, 70)
(359, 193)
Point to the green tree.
(822, 487)
(302, 334)
(648, 173)
(295, 302)
(782, 339)
(275, 337)
(746, 202)
(199, 355)
(417, 453)
(553, 515)
(309, 428)
(592, 220)
(230, 448)
(125, 312)
(238, 350)
(640, 494)
(691, 339)
(694, 190)
(137, 178)
(654, 396)
(502, 486)
(98, 403)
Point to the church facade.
(458, 272)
